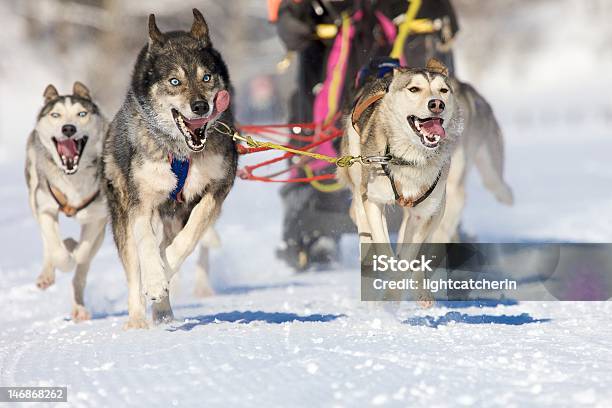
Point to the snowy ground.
(273, 338)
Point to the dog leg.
(361, 221)
(92, 236)
(202, 283)
(59, 256)
(47, 275)
(202, 216)
(374, 216)
(489, 162)
(148, 233)
(418, 231)
(136, 301)
(162, 311)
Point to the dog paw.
(136, 323)
(79, 313)
(161, 316)
(155, 290)
(45, 280)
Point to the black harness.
(401, 162)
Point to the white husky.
(63, 176)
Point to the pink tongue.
(434, 126)
(222, 101)
(67, 148)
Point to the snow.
(274, 338)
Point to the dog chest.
(379, 188)
(203, 170)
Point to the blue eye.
(175, 82)
(82, 114)
(55, 115)
(207, 77)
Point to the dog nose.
(68, 130)
(199, 107)
(436, 106)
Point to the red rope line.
(326, 133)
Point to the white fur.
(57, 252)
(372, 194)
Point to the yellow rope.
(405, 27)
(322, 187)
(343, 161)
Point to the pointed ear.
(199, 28)
(81, 90)
(155, 36)
(50, 93)
(434, 65)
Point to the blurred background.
(544, 65)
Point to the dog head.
(70, 127)
(422, 102)
(182, 83)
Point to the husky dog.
(408, 119)
(481, 143)
(411, 118)
(62, 174)
(166, 168)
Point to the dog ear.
(155, 36)
(81, 90)
(199, 28)
(436, 66)
(50, 93)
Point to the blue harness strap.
(377, 67)
(180, 168)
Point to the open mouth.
(194, 130)
(430, 130)
(70, 152)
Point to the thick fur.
(384, 124)
(153, 233)
(44, 167)
(481, 143)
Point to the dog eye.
(82, 114)
(414, 89)
(207, 77)
(443, 90)
(55, 115)
(175, 82)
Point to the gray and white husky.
(167, 169)
(409, 119)
(63, 176)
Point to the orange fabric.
(62, 201)
(362, 106)
(273, 6)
